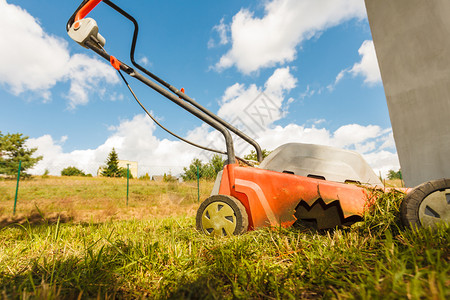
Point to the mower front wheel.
(222, 215)
(427, 204)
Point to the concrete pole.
(412, 42)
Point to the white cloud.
(116, 96)
(355, 134)
(222, 30)
(364, 142)
(32, 60)
(255, 108)
(382, 161)
(319, 121)
(281, 81)
(54, 159)
(309, 92)
(274, 39)
(368, 66)
(388, 141)
(63, 139)
(83, 73)
(144, 61)
(339, 77)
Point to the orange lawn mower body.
(266, 197)
(318, 185)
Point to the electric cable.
(170, 132)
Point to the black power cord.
(170, 132)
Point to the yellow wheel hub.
(435, 208)
(218, 219)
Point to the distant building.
(158, 178)
(166, 177)
(133, 167)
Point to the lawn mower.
(318, 185)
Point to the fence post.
(198, 185)
(17, 188)
(128, 180)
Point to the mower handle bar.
(86, 9)
(204, 114)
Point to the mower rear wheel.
(222, 215)
(427, 204)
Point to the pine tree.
(112, 166)
(13, 150)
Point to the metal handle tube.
(196, 112)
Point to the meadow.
(75, 238)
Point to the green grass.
(164, 257)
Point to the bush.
(169, 178)
(145, 177)
(206, 171)
(72, 171)
(46, 172)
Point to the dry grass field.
(84, 199)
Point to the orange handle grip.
(86, 9)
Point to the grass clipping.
(168, 259)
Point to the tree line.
(13, 149)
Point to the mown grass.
(165, 258)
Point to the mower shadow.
(34, 219)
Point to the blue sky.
(313, 61)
